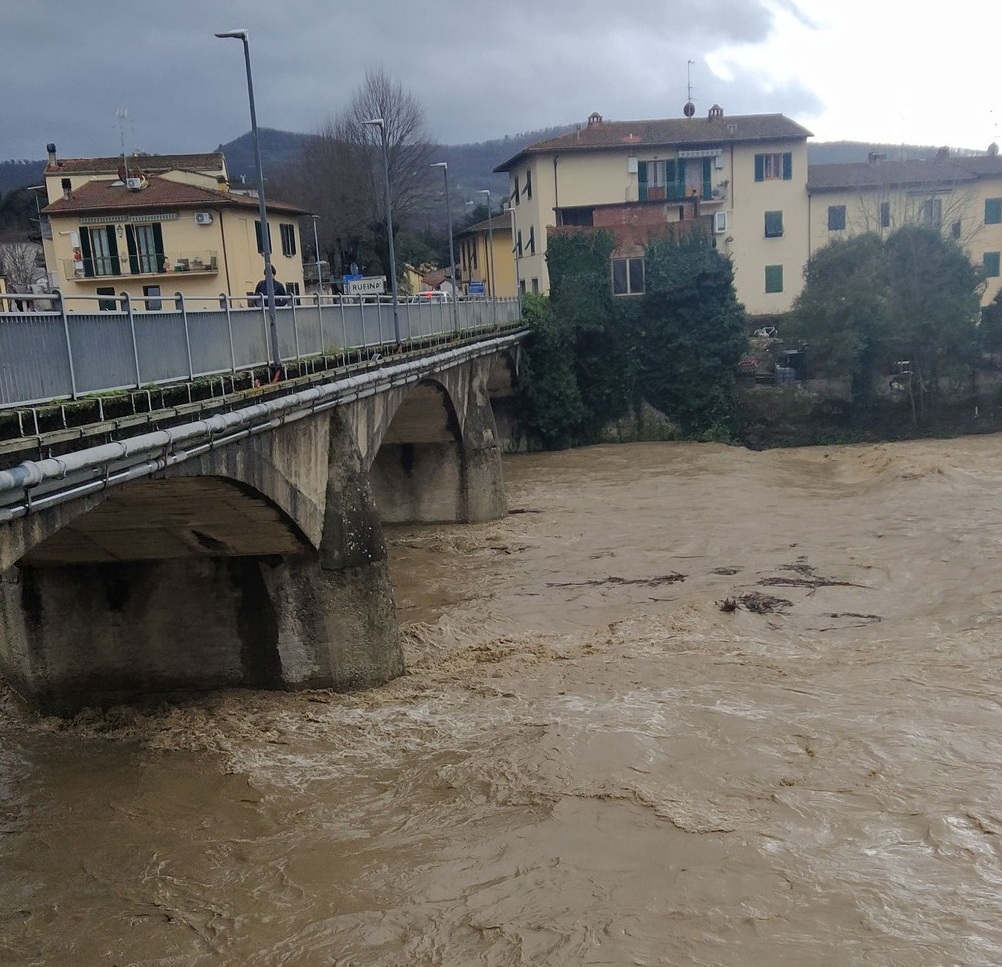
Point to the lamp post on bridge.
(490, 255)
(381, 124)
(269, 274)
(444, 165)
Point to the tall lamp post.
(444, 165)
(320, 279)
(490, 255)
(269, 277)
(381, 124)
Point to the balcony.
(679, 193)
(145, 266)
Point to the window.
(991, 264)
(532, 240)
(528, 185)
(931, 212)
(836, 218)
(288, 233)
(107, 305)
(535, 286)
(577, 216)
(152, 294)
(145, 245)
(257, 232)
(99, 249)
(292, 288)
(993, 211)
(774, 278)
(515, 197)
(773, 224)
(518, 244)
(628, 276)
(774, 166)
(955, 230)
(521, 286)
(885, 214)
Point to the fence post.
(179, 302)
(127, 306)
(224, 304)
(295, 325)
(69, 346)
(320, 320)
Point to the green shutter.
(787, 165)
(680, 179)
(760, 167)
(85, 251)
(130, 244)
(991, 264)
(707, 187)
(993, 211)
(642, 180)
(774, 278)
(115, 265)
(158, 243)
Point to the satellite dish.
(689, 110)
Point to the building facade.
(486, 257)
(746, 180)
(153, 226)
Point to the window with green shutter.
(774, 278)
(773, 224)
(257, 233)
(993, 211)
(836, 218)
(774, 166)
(991, 264)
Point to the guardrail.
(53, 353)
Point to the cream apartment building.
(152, 226)
(486, 256)
(745, 179)
(960, 195)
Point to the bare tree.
(339, 174)
(19, 263)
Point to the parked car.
(432, 295)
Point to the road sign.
(350, 278)
(476, 288)
(374, 285)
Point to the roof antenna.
(690, 109)
(122, 117)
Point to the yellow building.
(152, 226)
(962, 196)
(491, 266)
(743, 177)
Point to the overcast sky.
(862, 70)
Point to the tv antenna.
(690, 109)
(123, 116)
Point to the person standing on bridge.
(281, 294)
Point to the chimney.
(51, 148)
(716, 113)
(67, 187)
(875, 157)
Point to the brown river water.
(687, 705)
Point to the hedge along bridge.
(245, 548)
(114, 342)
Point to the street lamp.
(444, 165)
(320, 279)
(515, 251)
(269, 276)
(490, 256)
(381, 124)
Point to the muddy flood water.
(686, 705)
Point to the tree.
(19, 262)
(339, 174)
(868, 302)
(691, 334)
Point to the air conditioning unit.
(203, 218)
(134, 184)
(719, 223)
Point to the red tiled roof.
(149, 164)
(159, 193)
(668, 132)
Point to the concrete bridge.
(245, 549)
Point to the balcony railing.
(125, 266)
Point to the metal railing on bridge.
(48, 352)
